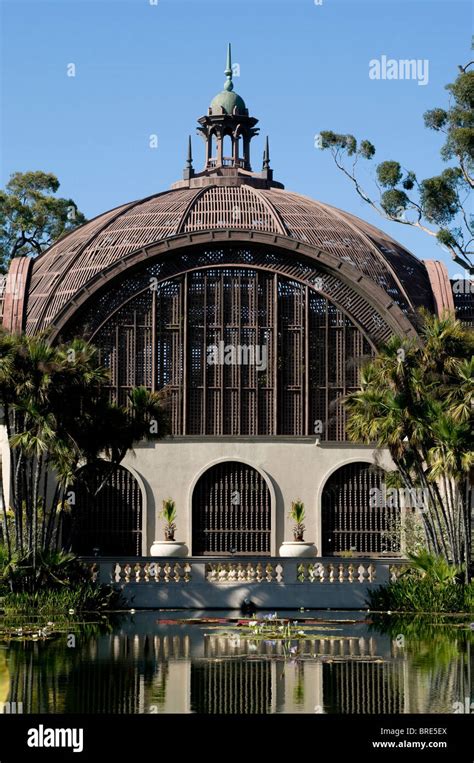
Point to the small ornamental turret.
(227, 130)
(228, 116)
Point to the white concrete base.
(299, 548)
(169, 548)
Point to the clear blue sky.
(145, 69)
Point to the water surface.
(163, 662)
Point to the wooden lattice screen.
(349, 521)
(309, 353)
(104, 515)
(231, 511)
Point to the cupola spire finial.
(189, 160)
(266, 155)
(228, 84)
(189, 169)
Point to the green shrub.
(414, 594)
(80, 599)
(53, 570)
(168, 513)
(429, 585)
(432, 567)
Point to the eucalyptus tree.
(437, 205)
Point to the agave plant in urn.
(298, 546)
(169, 546)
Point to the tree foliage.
(31, 217)
(58, 418)
(417, 401)
(435, 205)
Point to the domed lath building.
(253, 307)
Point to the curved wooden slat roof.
(73, 261)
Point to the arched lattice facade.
(236, 210)
(231, 511)
(106, 512)
(354, 519)
(241, 350)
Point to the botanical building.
(253, 307)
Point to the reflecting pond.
(181, 662)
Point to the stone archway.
(354, 516)
(105, 515)
(231, 511)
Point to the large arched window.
(231, 511)
(240, 351)
(106, 512)
(355, 516)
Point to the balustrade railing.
(250, 572)
(337, 572)
(323, 571)
(203, 582)
(227, 161)
(166, 571)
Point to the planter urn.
(297, 548)
(174, 548)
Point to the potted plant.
(298, 546)
(168, 513)
(169, 546)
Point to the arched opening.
(227, 149)
(106, 512)
(355, 516)
(231, 511)
(212, 147)
(238, 153)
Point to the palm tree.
(416, 400)
(58, 417)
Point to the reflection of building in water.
(105, 687)
(232, 686)
(438, 674)
(182, 669)
(364, 687)
(99, 676)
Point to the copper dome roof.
(73, 261)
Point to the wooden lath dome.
(73, 261)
